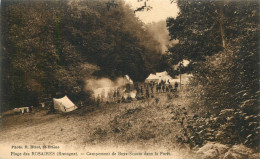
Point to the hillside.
(145, 126)
(139, 125)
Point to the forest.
(220, 39)
(50, 48)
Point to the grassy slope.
(140, 124)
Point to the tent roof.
(152, 76)
(129, 79)
(159, 75)
(65, 101)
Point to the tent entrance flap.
(64, 104)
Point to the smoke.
(92, 84)
(160, 33)
(106, 88)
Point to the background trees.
(201, 28)
(220, 41)
(51, 48)
(198, 30)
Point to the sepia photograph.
(129, 79)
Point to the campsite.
(139, 126)
(93, 126)
(129, 79)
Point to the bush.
(228, 127)
(225, 98)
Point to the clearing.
(139, 125)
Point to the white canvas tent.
(152, 78)
(128, 79)
(158, 77)
(64, 104)
(165, 77)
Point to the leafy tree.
(116, 40)
(52, 47)
(41, 62)
(198, 38)
(29, 51)
(220, 40)
(197, 28)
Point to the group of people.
(147, 90)
(108, 94)
(163, 87)
(138, 91)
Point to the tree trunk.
(220, 5)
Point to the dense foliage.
(220, 39)
(197, 28)
(52, 47)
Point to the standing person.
(158, 88)
(102, 95)
(163, 88)
(142, 92)
(147, 92)
(98, 100)
(161, 82)
(170, 88)
(110, 95)
(137, 90)
(176, 85)
(152, 92)
(114, 95)
(118, 92)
